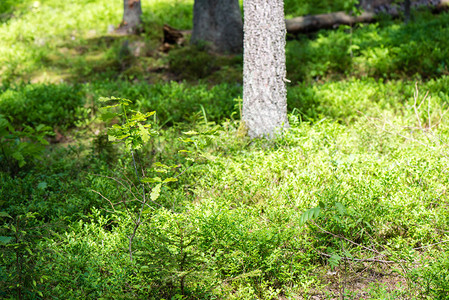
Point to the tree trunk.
(132, 12)
(407, 5)
(264, 92)
(218, 23)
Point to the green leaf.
(42, 185)
(144, 133)
(191, 132)
(40, 127)
(156, 192)
(184, 151)
(151, 180)
(334, 260)
(144, 269)
(19, 157)
(4, 240)
(123, 100)
(5, 214)
(170, 179)
(106, 116)
(309, 214)
(208, 156)
(187, 140)
(109, 106)
(122, 136)
(104, 99)
(340, 207)
(160, 165)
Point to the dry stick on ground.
(373, 259)
(348, 240)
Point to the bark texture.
(264, 91)
(219, 24)
(132, 11)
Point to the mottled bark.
(264, 91)
(218, 23)
(132, 12)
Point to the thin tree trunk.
(218, 24)
(407, 5)
(264, 92)
(132, 12)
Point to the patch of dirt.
(359, 281)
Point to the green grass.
(361, 150)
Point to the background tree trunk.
(132, 11)
(218, 23)
(407, 5)
(264, 92)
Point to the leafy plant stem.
(139, 217)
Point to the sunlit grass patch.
(42, 28)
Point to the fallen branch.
(373, 259)
(333, 20)
(326, 21)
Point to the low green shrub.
(173, 102)
(18, 148)
(8, 6)
(432, 276)
(20, 277)
(389, 50)
(352, 99)
(194, 62)
(54, 105)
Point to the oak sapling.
(134, 130)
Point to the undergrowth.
(350, 202)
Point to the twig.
(427, 246)
(119, 182)
(373, 259)
(137, 200)
(348, 240)
(105, 199)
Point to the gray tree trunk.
(218, 23)
(264, 92)
(132, 11)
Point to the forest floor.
(351, 202)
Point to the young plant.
(134, 130)
(19, 256)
